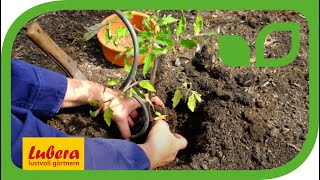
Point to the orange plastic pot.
(110, 51)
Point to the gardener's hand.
(80, 92)
(162, 146)
(124, 110)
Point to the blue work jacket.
(37, 93)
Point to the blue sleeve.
(25, 124)
(39, 92)
(114, 154)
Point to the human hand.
(124, 110)
(162, 146)
(81, 92)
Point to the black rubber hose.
(147, 118)
(133, 34)
(128, 79)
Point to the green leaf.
(198, 24)
(94, 103)
(107, 116)
(130, 92)
(144, 35)
(182, 25)
(146, 23)
(165, 39)
(160, 116)
(154, 17)
(148, 63)
(197, 96)
(108, 33)
(128, 15)
(91, 31)
(168, 49)
(139, 93)
(129, 53)
(88, 35)
(95, 113)
(108, 36)
(168, 31)
(145, 84)
(127, 65)
(192, 102)
(167, 20)
(159, 51)
(120, 33)
(113, 82)
(208, 33)
(143, 48)
(185, 84)
(188, 43)
(176, 98)
(94, 27)
(119, 56)
(114, 18)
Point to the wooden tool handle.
(43, 40)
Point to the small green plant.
(155, 39)
(160, 116)
(186, 89)
(108, 113)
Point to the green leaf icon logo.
(234, 51)
(294, 27)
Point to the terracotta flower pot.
(110, 51)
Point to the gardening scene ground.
(250, 118)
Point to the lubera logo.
(53, 153)
(50, 153)
(234, 50)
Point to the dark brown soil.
(251, 118)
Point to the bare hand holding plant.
(111, 102)
(162, 146)
(124, 111)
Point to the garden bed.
(251, 118)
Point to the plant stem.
(138, 31)
(130, 86)
(188, 90)
(108, 100)
(154, 71)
